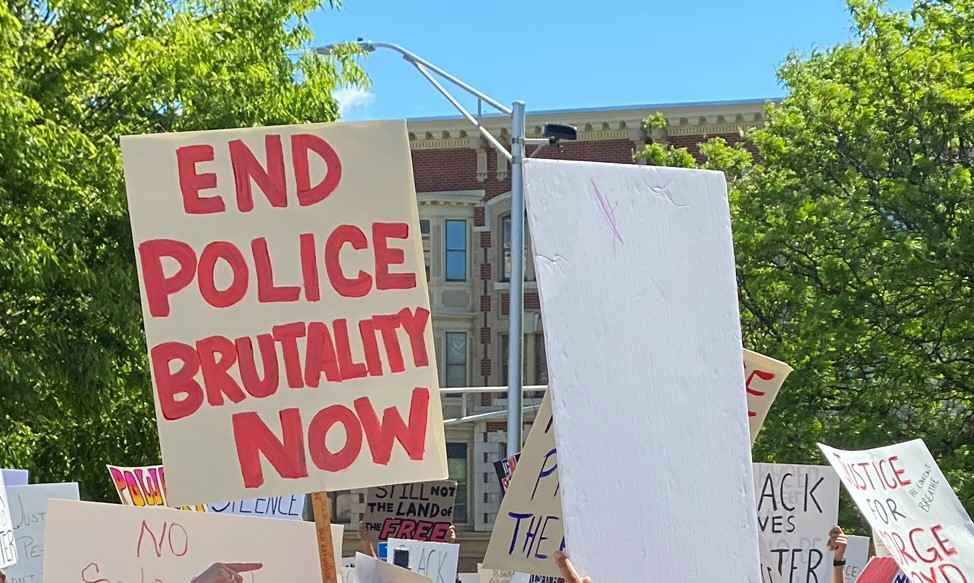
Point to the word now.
(287, 454)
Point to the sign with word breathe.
(95, 543)
(528, 529)
(286, 310)
(797, 506)
(911, 509)
(438, 561)
(763, 377)
(28, 511)
(8, 543)
(422, 511)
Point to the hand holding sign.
(568, 572)
(226, 572)
(838, 543)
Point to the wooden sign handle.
(326, 548)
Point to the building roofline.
(611, 109)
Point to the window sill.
(506, 285)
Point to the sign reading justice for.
(286, 311)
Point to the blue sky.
(581, 54)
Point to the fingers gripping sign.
(226, 572)
(568, 572)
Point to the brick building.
(463, 191)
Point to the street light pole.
(516, 157)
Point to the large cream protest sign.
(28, 512)
(911, 509)
(528, 529)
(635, 269)
(763, 378)
(8, 543)
(92, 542)
(286, 311)
(797, 505)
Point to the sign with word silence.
(911, 509)
(286, 310)
(421, 511)
(797, 505)
(28, 511)
(438, 561)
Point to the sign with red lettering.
(797, 505)
(422, 511)
(8, 543)
(87, 542)
(882, 570)
(286, 311)
(144, 486)
(911, 508)
(763, 377)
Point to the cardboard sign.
(438, 561)
(286, 310)
(856, 556)
(528, 529)
(494, 575)
(635, 269)
(797, 506)
(94, 542)
(28, 512)
(145, 486)
(763, 377)
(281, 507)
(911, 508)
(421, 511)
(8, 543)
(372, 570)
(15, 477)
(883, 570)
(505, 469)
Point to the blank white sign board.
(635, 267)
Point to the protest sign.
(438, 561)
(15, 477)
(763, 378)
(286, 311)
(8, 543)
(797, 506)
(494, 575)
(505, 469)
(528, 529)
(911, 508)
(93, 542)
(282, 507)
(635, 268)
(856, 556)
(144, 486)
(883, 570)
(422, 511)
(28, 513)
(372, 570)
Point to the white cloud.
(353, 102)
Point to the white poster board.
(87, 541)
(286, 310)
(635, 268)
(911, 508)
(8, 543)
(438, 561)
(528, 529)
(856, 556)
(763, 377)
(15, 477)
(797, 506)
(289, 507)
(28, 511)
(419, 511)
(371, 570)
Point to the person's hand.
(366, 542)
(226, 572)
(568, 572)
(838, 543)
(451, 534)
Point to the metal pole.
(514, 336)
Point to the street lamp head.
(556, 132)
(365, 45)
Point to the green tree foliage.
(854, 236)
(74, 76)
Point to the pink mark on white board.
(608, 211)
